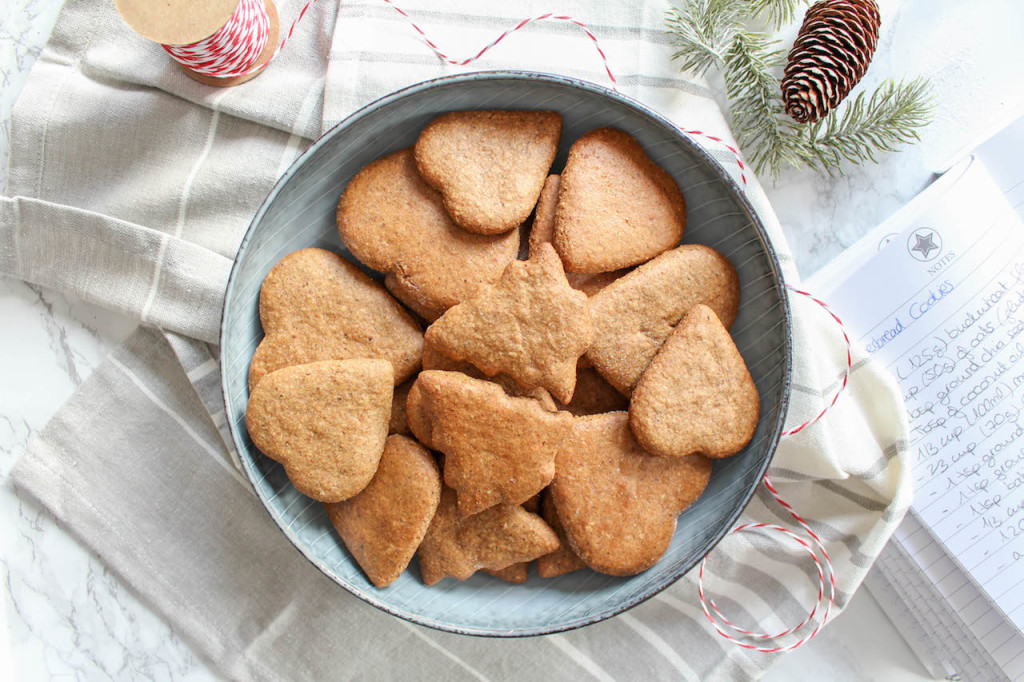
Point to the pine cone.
(831, 53)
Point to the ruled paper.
(937, 295)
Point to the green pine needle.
(714, 33)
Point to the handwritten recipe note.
(942, 306)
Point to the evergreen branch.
(890, 117)
(703, 31)
(757, 99)
(778, 12)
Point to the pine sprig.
(887, 119)
(778, 12)
(715, 34)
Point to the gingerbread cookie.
(435, 360)
(543, 230)
(457, 546)
(697, 394)
(488, 165)
(617, 503)
(326, 422)
(616, 207)
(384, 524)
(634, 315)
(530, 325)
(563, 560)
(315, 305)
(394, 222)
(498, 449)
(518, 573)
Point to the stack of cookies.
(487, 408)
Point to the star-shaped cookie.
(530, 325)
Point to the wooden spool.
(183, 22)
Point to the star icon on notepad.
(924, 244)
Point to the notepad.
(936, 294)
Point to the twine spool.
(188, 28)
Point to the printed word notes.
(942, 306)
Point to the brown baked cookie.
(563, 560)
(616, 207)
(488, 165)
(530, 325)
(326, 422)
(394, 222)
(518, 573)
(315, 305)
(498, 449)
(458, 546)
(384, 524)
(435, 360)
(543, 228)
(543, 231)
(399, 421)
(617, 503)
(697, 394)
(417, 417)
(594, 395)
(635, 314)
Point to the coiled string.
(231, 51)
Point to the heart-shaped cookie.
(315, 305)
(326, 422)
(697, 394)
(616, 207)
(617, 503)
(498, 449)
(384, 524)
(635, 314)
(395, 223)
(488, 165)
(458, 546)
(530, 325)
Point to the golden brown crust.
(616, 207)
(316, 305)
(326, 422)
(498, 449)
(384, 524)
(530, 325)
(617, 503)
(543, 228)
(395, 223)
(488, 165)
(635, 314)
(457, 546)
(697, 394)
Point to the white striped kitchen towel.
(131, 186)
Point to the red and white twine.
(234, 49)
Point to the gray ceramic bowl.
(300, 212)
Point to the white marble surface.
(63, 615)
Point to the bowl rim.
(739, 192)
